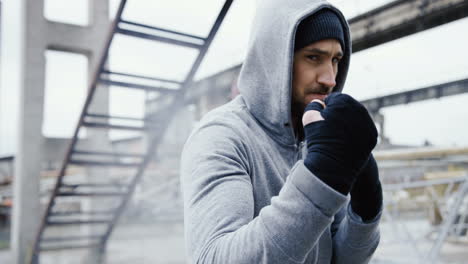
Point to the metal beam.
(403, 18)
(431, 92)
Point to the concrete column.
(1, 110)
(379, 118)
(26, 204)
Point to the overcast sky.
(431, 57)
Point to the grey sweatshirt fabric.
(248, 198)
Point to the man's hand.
(366, 194)
(340, 144)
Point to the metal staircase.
(154, 127)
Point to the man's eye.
(313, 57)
(336, 60)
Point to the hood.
(265, 79)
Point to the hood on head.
(265, 80)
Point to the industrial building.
(95, 108)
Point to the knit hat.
(324, 24)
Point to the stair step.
(141, 31)
(77, 222)
(108, 72)
(64, 193)
(88, 213)
(115, 117)
(68, 238)
(126, 22)
(145, 87)
(93, 185)
(104, 163)
(112, 154)
(68, 247)
(110, 126)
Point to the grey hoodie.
(248, 198)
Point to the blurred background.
(97, 98)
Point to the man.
(254, 192)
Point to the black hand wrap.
(366, 195)
(339, 146)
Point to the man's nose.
(327, 76)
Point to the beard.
(297, 111)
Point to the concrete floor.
(163, 243)
(160, 243)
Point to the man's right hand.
(340, 144)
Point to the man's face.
(314, 72)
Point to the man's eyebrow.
(323, 52)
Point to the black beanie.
(324, 24)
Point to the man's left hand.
(366, 194)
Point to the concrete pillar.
(38, 34)
(26, 204)
(1, 110)
(379, 118)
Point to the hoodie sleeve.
(219, 217)
(355, 241)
